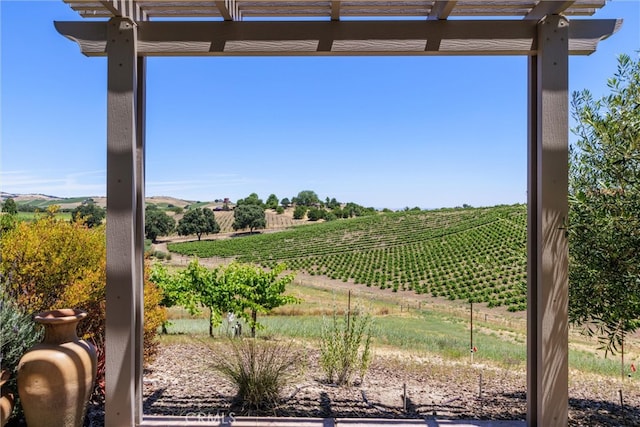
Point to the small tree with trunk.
(198, 221)
(157, 223)
(262, 291)
(249, 216)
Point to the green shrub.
(258, 369)
(51, 263)
(18, 332)
(346, 346)
(159, 255)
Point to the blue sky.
(379, 131)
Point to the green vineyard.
(474, 254)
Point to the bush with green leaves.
(299, 212)
(345, 347)
(18, 332)
(259, 370)
(315, 214)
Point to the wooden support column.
(140, 209)
(123, 271)
(547, 316)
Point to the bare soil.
(182, 382)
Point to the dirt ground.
(398, 384)
(183, 382)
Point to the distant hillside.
(474, 253)
(43, 201)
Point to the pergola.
(131, 30)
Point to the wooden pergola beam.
(438, 37)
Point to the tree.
(332, 203)
(209, 288)
(249, 216)
(251, 199)
(604, 214)
(263, 290)
(307, 198)
(198, 221)
(242, 289)
(285, 202)
(9, 206)
(88, 212)
(272, 202)
(315, 214)
(157, 223)
(299, 212)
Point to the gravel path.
(182, 382)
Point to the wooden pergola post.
(125, 227)
(547, 315)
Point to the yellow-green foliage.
(154, 314)
(50, 264)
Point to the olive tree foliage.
(157, 223)
(604, 214)
(198, 221)
(249, 216)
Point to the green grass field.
(31, 216)
(424, 332)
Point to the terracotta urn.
(55, 377)
(6, 399)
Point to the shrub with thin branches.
(259, 370)
(346, 346)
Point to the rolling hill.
(474, 254)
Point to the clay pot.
(6, 399)
(55, 377)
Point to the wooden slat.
(442, 9)
(459, 37)
(543, 9)
(234, 10)
(224, 10)
(335, 10)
